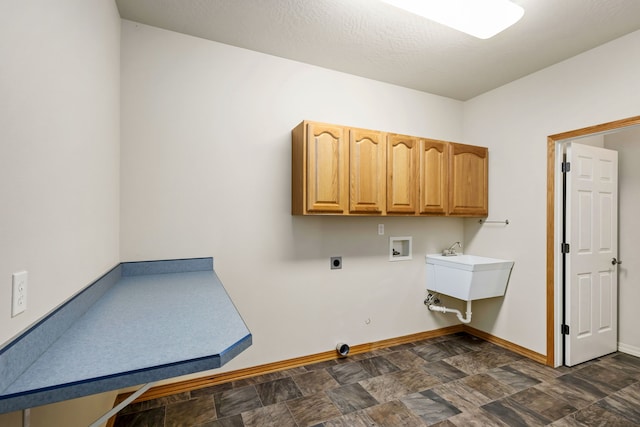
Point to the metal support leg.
(26, 417)
(121, 405)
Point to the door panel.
(468, 180)
(327, 166)
(591, 279)
(367, 171)
(434, 185)
(401, 172)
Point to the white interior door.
(591, 284)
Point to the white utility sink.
(467, 277)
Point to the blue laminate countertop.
(154, 320)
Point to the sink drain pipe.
(442, 309)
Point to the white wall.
(59, 163)
(59, 173)
(627, 143)
(206, 171)
(514, 122)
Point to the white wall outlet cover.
(19, 293)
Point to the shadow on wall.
(486, 311)
(314, 237)
(321, 236)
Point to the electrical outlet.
(380, 229)
(19, 296)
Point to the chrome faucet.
(450, 251)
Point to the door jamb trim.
(552, 218)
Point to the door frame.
(554, 218)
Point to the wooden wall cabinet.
(319, 169)
(338, 170)
(468, 180)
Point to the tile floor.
(457, 380)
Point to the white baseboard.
(629, 349)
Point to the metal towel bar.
(487, 221)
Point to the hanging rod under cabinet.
(488, 221)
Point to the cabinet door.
(367, 171)
(326, 169)
(434, 185)
(402, 155)
(469, 180)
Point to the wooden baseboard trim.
(537, 357)
(208, 381)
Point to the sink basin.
(468, 277)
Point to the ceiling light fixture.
(480, 18)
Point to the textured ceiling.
(374, 40)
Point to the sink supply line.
(431, 302)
